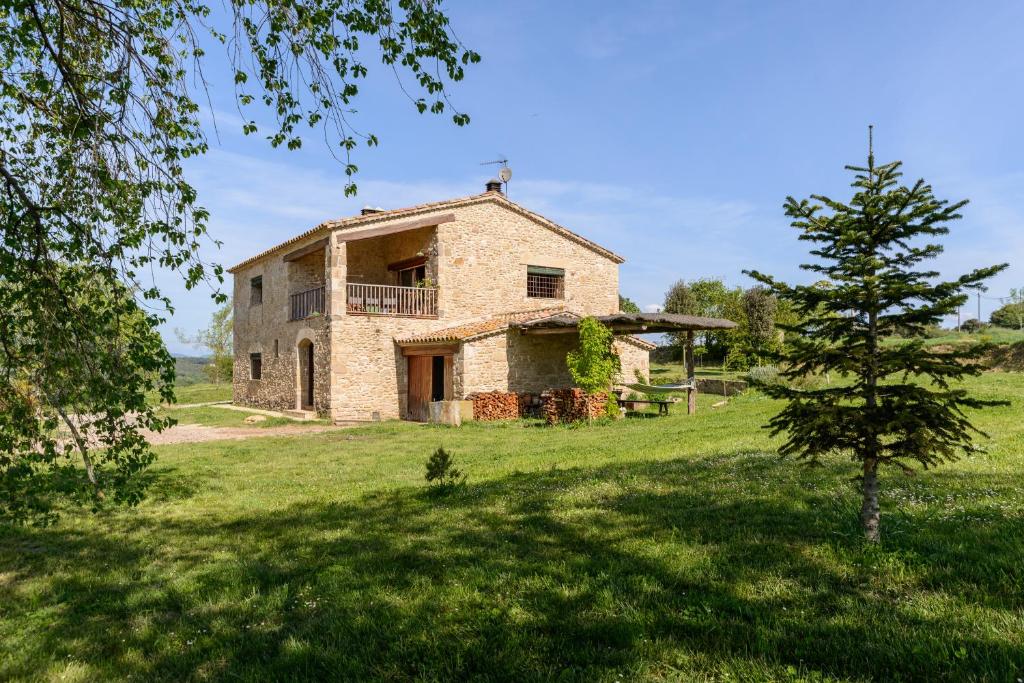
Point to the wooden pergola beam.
(691, 376)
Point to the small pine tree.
(901, 408)
(441, 470)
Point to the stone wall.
(633, 357)
(369, 373)
(265, 329)
(479, 262)
(367, 260)
(532, 364)
(305, 273)
(721, 387)
(482, 260)
(513, 362)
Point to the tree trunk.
(90, 471)
(870, 517)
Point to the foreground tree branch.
(98, 113)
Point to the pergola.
(640, 323)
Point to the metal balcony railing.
(419, 302)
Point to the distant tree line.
(1011, 314)
(756, 312)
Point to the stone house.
(373, 316)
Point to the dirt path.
(193, 433)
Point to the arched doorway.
(305, 354)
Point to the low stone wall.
(720, 387)
(573, 405)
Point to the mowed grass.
(202, 393)
(219, 416)
(674, 548)
(992, 335)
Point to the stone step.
(300, 414)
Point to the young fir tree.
(902, 407)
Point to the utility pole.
(979, 307)
(957, 318)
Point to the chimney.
(494, 185)
(367, 210)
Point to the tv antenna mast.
(504, 173)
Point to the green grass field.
(674, 548)
(993, 335)
(202, 392)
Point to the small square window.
(255, 366)
(545, 283)
(256, 291)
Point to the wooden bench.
(662, 405)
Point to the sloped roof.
(390, 214)
(480, 328)
(500, 323)
(633, 322)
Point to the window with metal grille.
(255, 366)
(256, 291)
(545, 283)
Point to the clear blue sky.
(669, 132)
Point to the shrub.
(972, 325)
(612, 406)
(763, 374)
(593, 364)
(441, 471)
(1010, 316)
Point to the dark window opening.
(412, 277)
(256, 291)
(437, 379)
(545, 283)
(255, 366)
(277, 350)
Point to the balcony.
(306, 304)
(389, 300)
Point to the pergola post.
(691, 393)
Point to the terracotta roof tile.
(381, 216)
(479, 328)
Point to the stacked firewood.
(495, 405)
(573, 405)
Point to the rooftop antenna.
(504, 173)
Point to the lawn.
(202, 393)
(674, 548)
(218, 416)
(992, 335)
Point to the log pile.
(573, 405)
(495, 405)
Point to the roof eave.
(383, 216)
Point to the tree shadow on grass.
(663, 569)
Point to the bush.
(972, 325)
(441, 471)
(1010, 315)
(763, 374)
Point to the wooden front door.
(430, 379)
(420, 385)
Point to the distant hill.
(190, 369)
